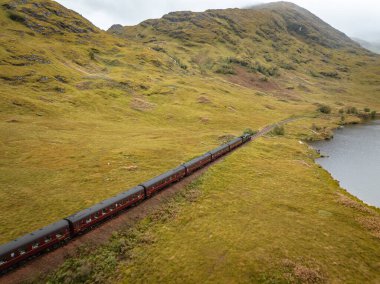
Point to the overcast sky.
(356, 18)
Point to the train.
(58, 233)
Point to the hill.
(86, 114)
(372, 46)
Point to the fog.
(359, 19)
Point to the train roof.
(222, 147)
(102, 205)
(159, 178)
(32, 237)
(196, 160)
(233, 141)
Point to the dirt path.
(49, 261)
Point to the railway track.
(47, 262)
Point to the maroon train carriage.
(86, 218)
(219, 151)
(33, 243)
(235, 143)
(197, 163)
(159, 182)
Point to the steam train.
(58, 233)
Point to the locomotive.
(58, 233)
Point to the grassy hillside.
(85, 114)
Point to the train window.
(35, 245)
(13, 254)
(22, 251)
(88, 220)
(58, 235)
(104, 211)
(2, 261)
(47, 239)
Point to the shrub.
(225, 69)
(373, 114)
(330, 74)
(241, 62)
(366, 109)
(249, 131)
(352, 110)
(278, 130)
(324, 109)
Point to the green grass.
(281, 226)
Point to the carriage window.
(88, 220)
(47, 239)
(104, 211)
(12, 254)
(2, 261)
(58, 235)
(35, 245)
(96, 215)
(21, 251)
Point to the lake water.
(354, 160)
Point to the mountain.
(372, 46)
(269, 39)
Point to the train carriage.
(197, 163)
(33, 243)
(235, 143)
(219, 151)
(159, 182)
(86, 218)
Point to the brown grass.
(141, 105)
(348, 202)
(371, 223)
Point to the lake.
(354, 160)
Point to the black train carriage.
(33, 243)
(159, 182)
(86, 218)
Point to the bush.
(225, 69)
(330, 74)
(352, 110)
(366, 109)
(249, 131)
(324, 109)
(373, 114)
(278, 130)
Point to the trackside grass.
(265, 214)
